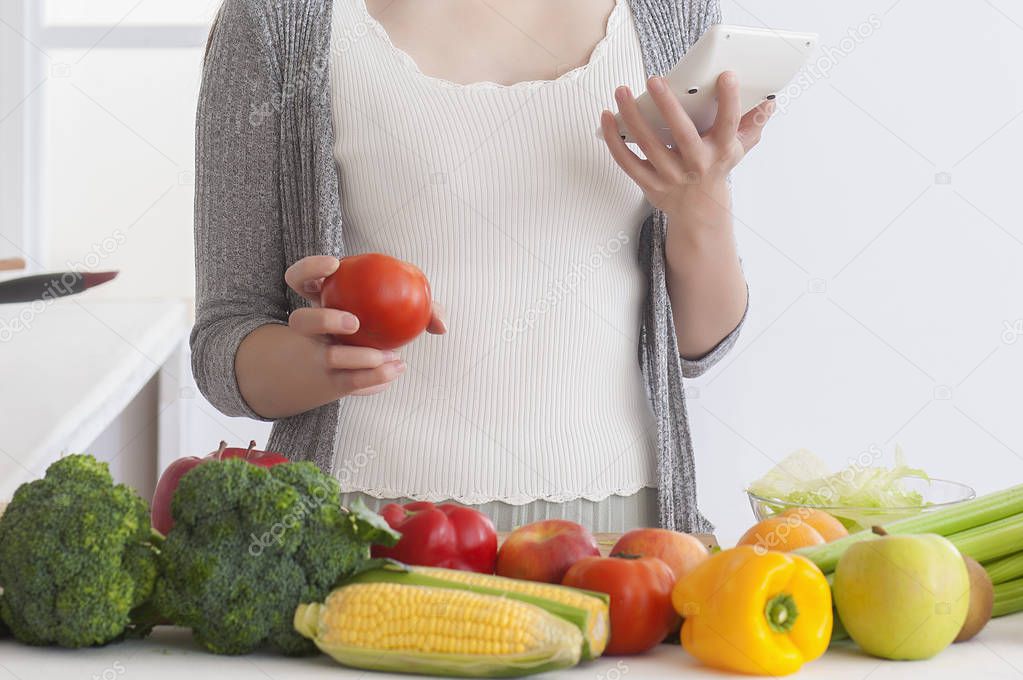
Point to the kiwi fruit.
(982, 599)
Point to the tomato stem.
(781, 612)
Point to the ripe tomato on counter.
(640, 588)
(390, 298)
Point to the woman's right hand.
(353, 370)
(286, 370)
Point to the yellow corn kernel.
(597, 619)
(395, 617)
(548, 591)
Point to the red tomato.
(391, 299)
(640, 590)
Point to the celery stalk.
(1005, 568)
(1008, 598)
(958, 518)
(989, 541)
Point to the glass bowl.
(936, 493)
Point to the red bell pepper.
(168, 484)
(451, 536)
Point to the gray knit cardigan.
(267, 194)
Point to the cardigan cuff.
(214, 347)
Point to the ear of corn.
(437, 631)
(587, 610)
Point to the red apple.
(251, 454)
(544, 551)
(681, 552)
(162, 519)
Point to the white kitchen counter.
(69, 367)
(170, 654)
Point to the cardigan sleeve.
(694, 368)
(239, 256)
(699, 15)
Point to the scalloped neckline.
(411, 65)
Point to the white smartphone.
(765, 61)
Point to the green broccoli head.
(248, 545)
(75, 556)
(4, 630)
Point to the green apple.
(902, 597)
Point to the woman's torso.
(527, 231)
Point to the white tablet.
(765, 61)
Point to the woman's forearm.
(688, 181)
(280, 372)
(706, 286)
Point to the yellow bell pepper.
(754, 611)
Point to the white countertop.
(170, 654)
(69, 367)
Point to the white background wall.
(131, 114)
(881, 294)
(12, 133)
(880, 297)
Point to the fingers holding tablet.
(763, 62)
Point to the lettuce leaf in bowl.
(802, 478)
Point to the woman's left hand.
(688, 180)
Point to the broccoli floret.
(251, 543)
(75, 556)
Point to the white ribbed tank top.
(528, 233)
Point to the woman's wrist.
(272, 364)
(703, 212)
(699, 234)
